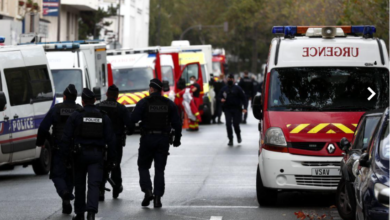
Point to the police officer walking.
(158, 115)
(57, 117)
(246, 83)
(120, 118)
(91, 130)
(233, 100)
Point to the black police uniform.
(158, 115)
(91, 130)
(120, 117)
(246, 83)
(61, 174)
(218, 85)
(232, 107)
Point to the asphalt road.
(205, 179)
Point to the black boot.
(101, 195)
(214, 122)
(157, 202)
(91, 216)
(79, 217)
(230, 142)
(148, 197)
(66, 207)
(239, 140)
(116, 191)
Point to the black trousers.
(247, 97)
(233, 117)
(153, 147)
(218, 111)
(116, 172)
(61, 173)
(88, 162)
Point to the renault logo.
(331, 148)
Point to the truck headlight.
(275, 136)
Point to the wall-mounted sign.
(50, 7)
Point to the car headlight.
(355, 168)
(275, 136)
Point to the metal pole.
(119, 21)
(159, 22)
(59, 21)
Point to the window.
(87, 79)
(132, 80)
(27, 85)
(167, 74)
(365, 132)
(204, 72)
(190, 70)
(62, 79)
(40, 84)
(32, 27)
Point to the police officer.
(57, 117)
(91, 130)
(218, 85)
(158, 115)
(233, 99)
(246, 83)
(120, 117)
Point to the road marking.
(216, 218)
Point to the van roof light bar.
(61, 46)
(2, 40)
(290, 31)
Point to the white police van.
(82, 63)
(26, 95)
(315, 90)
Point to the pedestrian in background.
(195, 92)
(246, 83)
(120, 119)
(233, 105)
(90, 131)
(158, 115)
(218, 85)
(61, 168)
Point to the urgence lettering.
(23, 124)
(330, 52)
(158, 108)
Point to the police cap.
(87, 94)
(70, 92)
(156, 84)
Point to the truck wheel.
(265, 196)
(346, 206)
(41, 166)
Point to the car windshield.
(132, 79)
(62, 78)
(167, 74)
(385, 144)
(328, 89)
(217, 68)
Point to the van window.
(40, 84)
(132, 79)
(203, 73)
(18, 86)
(328, 89)
(63, 77)
(365, 133)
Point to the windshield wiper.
(345, 107)
(297, 106)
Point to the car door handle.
(16, 116)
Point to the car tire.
(41, 166)
(265, 196)
(345, 206)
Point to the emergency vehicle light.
(2, 40)
(62, 46)
(290, 31)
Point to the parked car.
(345, 195)
(372, 176)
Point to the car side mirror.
(166, 87)
(257, 107)
(97, 92)
(345, 144)
(383, 196)
(3, 101)
(364, 160)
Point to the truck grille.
(313, 146)
(324, 181)
(320, 164)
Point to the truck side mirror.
(256, 107)
(97, 92)
(166, 87)
(364, 160)
(3, 101)
(383, 196)
(345, 144)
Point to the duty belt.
(92, 147)
(156, 132)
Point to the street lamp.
(225, 27)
